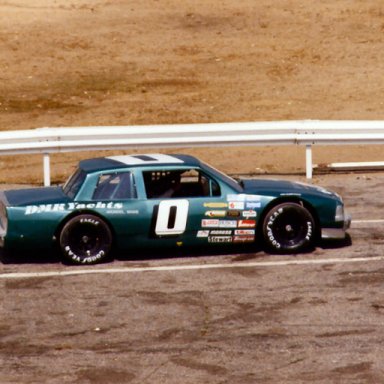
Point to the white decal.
(31, 209)
(240, 197)
(227, 223)
(152, 158)
(236, 205)
(249, 213)
(202, 233)
(221, 232)
(60, 207)
(172, 217)
(209, 223)
(252, 198)
(244, 232)
(220, 239)
(253, 205)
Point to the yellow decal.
(216, 205)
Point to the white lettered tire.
(288, 228)
(85, 239)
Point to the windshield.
(223, 177)
(73, 184)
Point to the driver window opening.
(179, 183)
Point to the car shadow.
(335, 244)
(239, 253)
(247, 252)
(35, 257)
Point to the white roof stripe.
(157, 159)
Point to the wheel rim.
(290, 229)
(85, 240)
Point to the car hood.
(35, 196)
(283, 187)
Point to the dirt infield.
(94, 62)
(165, 320)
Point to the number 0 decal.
(172, 217)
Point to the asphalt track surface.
(232, 318)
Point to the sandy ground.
(243, 324)
(93, 62)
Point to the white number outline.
(163, 215)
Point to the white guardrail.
(306, 132)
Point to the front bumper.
(337, 233)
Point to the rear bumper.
(3, 223)
(337, 233)
(3, 232)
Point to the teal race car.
(156, 200)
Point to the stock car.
(157, 200)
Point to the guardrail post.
(47, 170)
(308, 161)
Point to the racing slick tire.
(85, 239)
(288, 228)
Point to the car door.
(187, 207)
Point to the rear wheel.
(85, 239)
(289, 228)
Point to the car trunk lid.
(34, 196)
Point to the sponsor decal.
(221, 232)
(249, 213)
(246, 232)
(243, 239)
(202, 233)
(233, 213)
(115, 212)
(215, 213)
(252, 198)
(236, 205)
(243, 197)
(240, 197)
(247, 223)
(209, 223)
(220, 239)
(31, 209)
(253, 204)
(227, 223)
(216, 205)
(132, 211)
(43, 208)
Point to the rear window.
(74, 183)
(115, 186)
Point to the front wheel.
(289, 228)
(85, 239)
